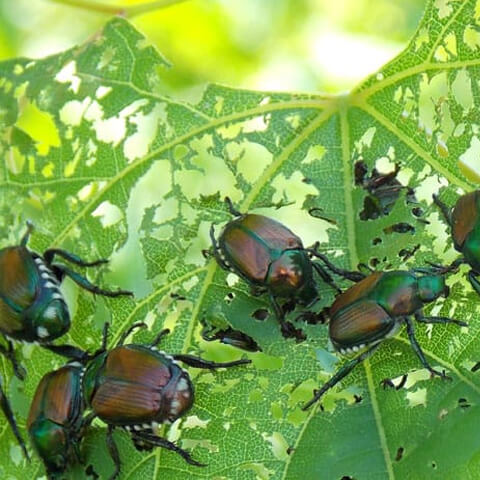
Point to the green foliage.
(119, 170)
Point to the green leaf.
(107, 166)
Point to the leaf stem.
(124, 11)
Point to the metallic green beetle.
(138, 387)
(374, 309)
(272, 260)
(55, 422)
(32, 307)
(464, 220)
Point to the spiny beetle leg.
(198, 362)
(417, 349)
(7, 411)
(113, 451)
(9, 354)
(164, 443)
(49, 254)
(326, 277)
(347, 274)
(420, 318)
(134, 327)
(85, 284)
(68, 351)
(342, 373)
(446, 211)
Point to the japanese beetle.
(32, 308)
(464, 220)
(373, 309)
(271, 259)
(137, 387)
(55, 422)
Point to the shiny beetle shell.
(55, 417)
(31, 305)
(134, 384)
(359, 290)
(360, 324)
(252, 242)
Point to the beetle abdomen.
(465, 215)
(359, 324)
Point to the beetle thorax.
(286, 275)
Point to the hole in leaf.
(399, 455)
(176, 296)
(401, 227)
(376, 241)
(229, 297)
(260, 314)
(464, 403)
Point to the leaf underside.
(106, 166)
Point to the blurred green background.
(294, 45)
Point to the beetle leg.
(231, 208)
(85, 284)
(164, 443)
(326, 277)
(26, 236)
(125, 334)
(387, 382)
(418, 350)
(287, 329)
(67, 351)
(7, 411)
(349, 275)
(420, 318)
(472, 276)
(113, 451)
(49, 254)
(198, 362)
(159, 337)
(341, 373)
(9, 353)
(446, 211)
